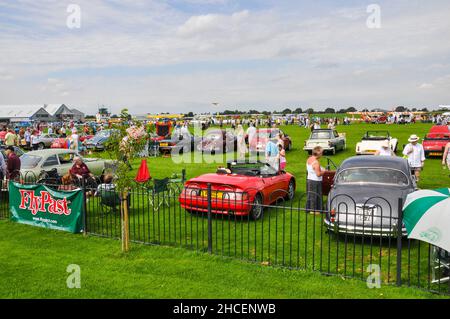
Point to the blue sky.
(182, 55)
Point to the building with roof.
(78, 116)
(25, 114)
(60, 112)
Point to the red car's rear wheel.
(257, 208)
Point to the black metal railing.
(348, 239)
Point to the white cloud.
(327, 58)
(426, 86)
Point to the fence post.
(209, 220)
(399, 241)
(183, 176)
(83, 187)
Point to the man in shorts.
(415, 154)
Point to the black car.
(364, 197)
(179, 144)
(217, 141)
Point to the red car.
(241, 190)
(64, 142)
(259, 142)
(436, 140)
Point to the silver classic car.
(46, 140)
(364, 197)
(35, 164)
(330, 140)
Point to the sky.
(184, 55)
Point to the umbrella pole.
(399, 241)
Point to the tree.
(126, 141)
(298, 110)
(425, 110)
(310, 111)
(286, 111)
(329, 110)
(351, 109)
(401, 109)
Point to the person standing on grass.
(314, 181)
(34, 140)
(446, 156)
(10, 138)
(415, 154)
(13, 164)
(241, 146)
(27, 137)
(272, 154)
(281, 157)
(75, 139)
(251, 132)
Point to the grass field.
(33, 264)
(283, 237)
(433, 175)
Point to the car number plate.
(435, 154)
(163, 144)
(364, 215)
(214, 194)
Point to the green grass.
(33, 263)
(283, 237)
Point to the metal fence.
(350, 239)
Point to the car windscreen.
(376, 136)
(372, 176)
(321, 135)
(29, 161)
(437, 138)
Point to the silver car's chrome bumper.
(364, 231)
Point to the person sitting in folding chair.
(109, 197)
(82, 174)
(160, 193)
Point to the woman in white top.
(314, 181)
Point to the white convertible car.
(372, 141)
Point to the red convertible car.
(435, 141)
(241, 189)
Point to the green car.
(35, 164)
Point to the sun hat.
(413, 138)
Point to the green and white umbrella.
(426, 215)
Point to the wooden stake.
(125, 223)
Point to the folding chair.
(159, 194)
(441, 267)
(109, 201)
